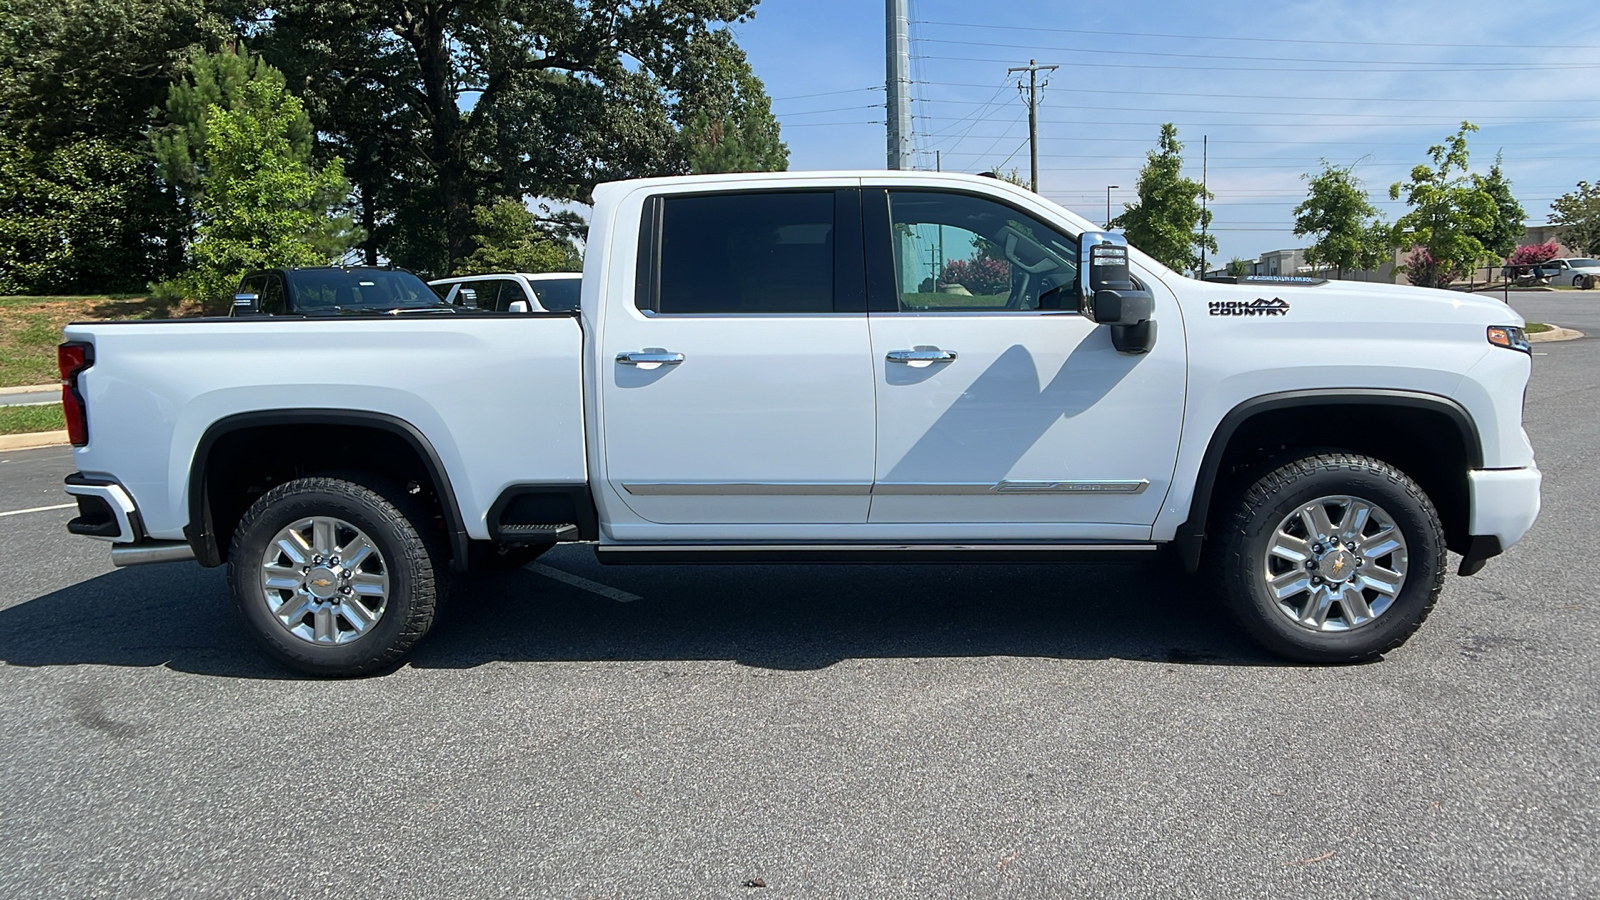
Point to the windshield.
(558, 295)
(360, 289)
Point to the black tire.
(490, 556)
(1250, 526)
(411, 556)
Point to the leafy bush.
(980, 276)
(1533, 254)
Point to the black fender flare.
(199, 532)
(1191, 535)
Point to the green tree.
(1349, 234)
(1238, 268)
(1165, 221)
(81, 81)
(83, 218)
(246, 158)
(1508, 225)
(736, 133)
(511, 238)
(469, 101)
(1447, 212)
(1579, 211)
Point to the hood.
(1349, 302)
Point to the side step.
(536, 534)
(891, 554)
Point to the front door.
(739, 387)
(998, 402)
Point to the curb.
(1556, 333)
(33, 441)
(31, 389)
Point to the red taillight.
(74, 357)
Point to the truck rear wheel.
(1332, 558)
(336, 575)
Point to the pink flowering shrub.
(1533, 254)
(980, 276)
(1423, 270)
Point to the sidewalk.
(30, 395)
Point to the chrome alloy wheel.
(324, 581)
(1335, 577)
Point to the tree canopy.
(1349, 234)
(1579, 211)
(437, 108)
(1509, 222)
(1165, 221)
(1448, 212)
(457, 103)
(239, 145)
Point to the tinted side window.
(747, 253)
(558, 295)
(957, 252)
(272, 299)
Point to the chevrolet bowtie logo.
(321, 582)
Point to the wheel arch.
(1235, 444)
(211, 522)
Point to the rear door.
(737, 388)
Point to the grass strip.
(30, 419)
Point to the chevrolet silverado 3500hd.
(822, 367)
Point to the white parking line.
(18, 512)
(593, 587)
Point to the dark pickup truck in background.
(335, 291)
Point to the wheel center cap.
(1337, 565)
(322, 582)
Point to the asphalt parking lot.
(1038, 731)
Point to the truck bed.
(500, 398)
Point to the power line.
(1562, 67)
(1219, 37)
(876, 87)
(1490, 120)
(1213, 96)
(1494, 65)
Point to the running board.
(894, 554)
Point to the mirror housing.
(246, 304)
(1109, 294)
(519, 306)
(467, 297)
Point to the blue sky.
(1276, 86)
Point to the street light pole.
(1108, 204)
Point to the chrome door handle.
(652, 357)
(923, 355)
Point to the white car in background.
(547, 292)
(1573, 271)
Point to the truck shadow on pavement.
(792, 618)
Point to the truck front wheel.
(336, 575)
(1332, 558)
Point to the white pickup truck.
(822, 367)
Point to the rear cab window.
(751, 253)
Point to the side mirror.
(1109, 294)
(467, 297)
(246, 304)
(519, 306)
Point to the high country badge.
(1259, 307)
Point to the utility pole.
(1033, 69)
(1205, 155)
(898, 83)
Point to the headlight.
(1509, 337)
